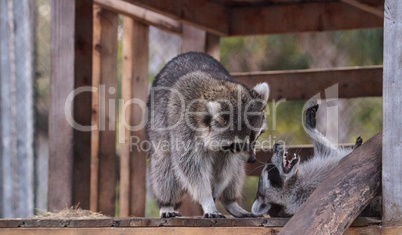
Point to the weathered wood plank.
(341, 197)
(142, 15)
(392, 115)
(71, 68)
(303, 84)
(285, 18)
(126, 93)
(105, 74)
(135, 86)
(95, 120)
(83, 24)
(209, 16)
(181, 230)
(140, 84)
(24, 84)
(6, 115)
(61, 84)
(158, 222)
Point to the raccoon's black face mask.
(237, 123)
(272, 180)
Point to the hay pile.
(71, 213)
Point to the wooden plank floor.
(370, 230)
(184, 225)
(158, 222)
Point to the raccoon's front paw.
(214, 215)
(311, 113)
(359, 142)
(170, 214)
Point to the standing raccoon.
(285, 185)
(202, 126)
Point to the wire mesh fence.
(356, 117)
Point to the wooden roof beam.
(142, 15)
(204, 14)
(303, 84)
(301, 17)
(365, 7)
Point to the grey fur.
(280, 193)
(189, 162)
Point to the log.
(341, 197)
(142, 15)
(302, 84)
(392, 113)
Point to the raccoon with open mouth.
(285, 184)
(200, 112)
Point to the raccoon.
(201, 136)
(285, 184)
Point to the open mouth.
(288, 165)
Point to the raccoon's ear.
(214, 108)
(263, 90)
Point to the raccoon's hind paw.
(214, 215)
(311, 113)
(359, 142)
(170, 214)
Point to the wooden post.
(343, 195)
(16, 73)
(7, 148)
(71, 68)
(23, 56)
(134, 86)
(392, 115)
(194, 39)
(103, 154)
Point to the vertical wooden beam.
(103, 170)
(213, 46)
(135, 86)
(96, 77)
(194, 39)
(23, 55)
(140, 78)
(82, 102)
(126, 93)
(71, 68)
(392, 115)
(6, 147)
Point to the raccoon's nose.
(252, 158)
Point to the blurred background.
(358, 117)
